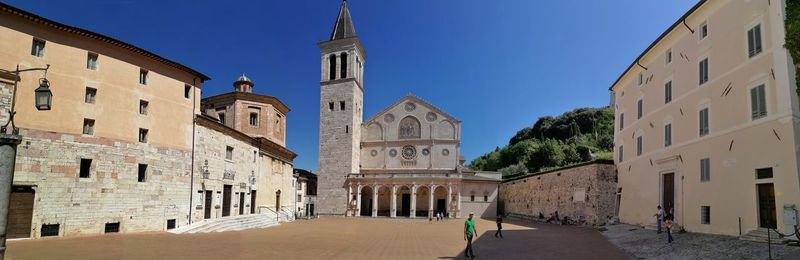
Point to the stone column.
(358, 201)
(449, 202)
(8, 158)
(393, 209)
(430, 201)
(413, 212)
(458, 209)
(375, 201)
(348, 212)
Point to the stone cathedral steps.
(760, 235)
(234, 223)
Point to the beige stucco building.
(124, 147)
(707, 122)
(404, 161)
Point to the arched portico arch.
(404, 201)
(366, 201)
(422, 201)
(440, 200)
(384, 200)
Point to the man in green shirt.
(469, 232)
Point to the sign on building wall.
(579, 196)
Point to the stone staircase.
(760, 235)
(234, 223)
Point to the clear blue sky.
(496, 65)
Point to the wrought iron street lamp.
(44, 97)
(9, 142)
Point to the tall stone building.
(404, 161)
(707, 123)
(126, 147)
(341, 100)
(114, 153)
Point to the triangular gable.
(417, 100)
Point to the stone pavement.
(646, 244)
(334, 238)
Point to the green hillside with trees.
(577, 136)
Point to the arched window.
(409, 128)
(344, 66)
(332, 69)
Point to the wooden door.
(767, 217)
(241, 203)
(252, 202)
(668, 195)
(226, 200)
(208, 204)
(20, 212)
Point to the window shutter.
(754, 103)
(751, 42)
(757, 39)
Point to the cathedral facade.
(403, 162)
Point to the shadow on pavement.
(524, 240)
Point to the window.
(346, 129)
(641, 78)
(88, 126)
(143, 135)
(639, 109)
(668, 56)
(471, 197)
(278, 124)
(758, 102)
(703, 124)
(705, 170)
(330, 106)
(705, 215)
(764, 173)
(485, 198)
(299, 198)
(143, 107)
(86, 167)
(221, 116)
(703, 30)
(668, 92)
(253, 119)
(343, 75)
(142, 177)
(112, 227)
(754, 41)
(142, 77)
(229, 153)
(37, 48)
(620, 153)
(255, 155)
(91, 61)
(170, 224)
(332, 67)
(703, 75)
(91, 93)
(667, 135)
(187, 91)
(621, 121)
(341, 105)
(50, 230)
(639, 143)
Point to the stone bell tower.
(340, 113)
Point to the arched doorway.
(423, 201)
(403, 202)
(366, 201)
(384, 201)
(440, 200)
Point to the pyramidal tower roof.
(344, 24)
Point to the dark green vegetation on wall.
(577, 136)
(793, 36)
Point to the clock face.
(409, 152)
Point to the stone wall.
(587, 190)
(50, 163)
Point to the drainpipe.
(194, 125)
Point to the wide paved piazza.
(335, 238)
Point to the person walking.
(659, 217)
(499, 227)
(668, 224)
(469, 233)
